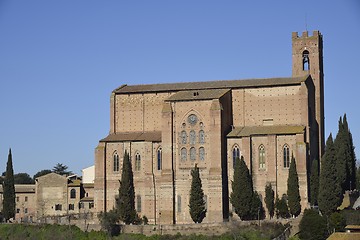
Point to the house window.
(138, 203)
(236, 154)
(73, 193)
(179, 203)
(183, 137)
(26, 198)
(286, 154)
(137, 162)
(192, 154)
(262, 157)
(192, 137)
(202, 153)
(71, 207)
(18, 210)
(116, 162)
(201, 137)
(58, 207)
(25, 210)
(159, 159)
(17, 199)
(183, 154)
(91, 205)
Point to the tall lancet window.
(306, 61)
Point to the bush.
(337, 222)
(313, 226)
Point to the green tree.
(351, 160)
(126, 200)
(281, 207)
(196, 203)
(108, 222)
(41, 173)
(23, 178)
(293, 189)
(269, 199)
(257, 209)
(330, 196)
(242, 190)
(61, 169)
(314, 182)
(337, 222)
(9, 190)
(341, 156)
(313, 226)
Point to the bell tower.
(307, 58)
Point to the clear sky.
(60, 60)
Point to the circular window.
(192, 119)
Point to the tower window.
(306, 61)
(236, 154)
(286, 155)
(116, 162)
(138, 203)
(202, 153)
(183, 154)
(201, 137)
(137, 162)
(183, 137)
(192, 154)
(262, 157)
(192, 137)
(73, 193)
(179, 203)
(159, 159)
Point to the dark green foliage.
(108, 221)
(351, 160)
(293, 189)
(352, 216)
(23, 178)
(330, 196)
(314, 183)
(126, 200)
(313, 226)
(269, 199)
(242, 190)
(257, 209)
(196, 203)
(41, 173)
(61, 169)
(281, 207)
(341, 156)
(9, 190)
(337, 222)
(358, 178)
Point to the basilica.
(168, 128)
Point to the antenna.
(306, 21)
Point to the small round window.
(192, 119)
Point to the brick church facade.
(168, 128)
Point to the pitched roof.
(207, 94)
(166, 87)
(265, 130)
(22, 188)
(154, 136)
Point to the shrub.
(337, 222)
(313, 226)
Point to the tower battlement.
(305, 34)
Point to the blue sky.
(60, 60)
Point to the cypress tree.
(242, 191)
(314, 182)
(9, 190)
(126, 200)
(269, 199)
(351, 161)
(293, 189)
(330, 196)
(196, 203)
(341, 156)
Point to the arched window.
(261, 157)
(137, 162)
(138, 203)
(183, 137)
(72, 193)
(179, 203)
(201, 137)
(286, 155)
(116, 162)
(183, 154)
(236, 154)
(192, 154)
(202, 153)
(159, 159)
(306, 61)
(192, 137)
